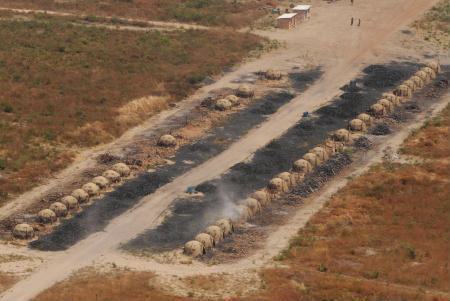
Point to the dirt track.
(387, 19)
(174, 25)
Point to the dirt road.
(350, 48)
(174, 25)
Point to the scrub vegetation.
(206, 12)
(64, 86)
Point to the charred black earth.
(96, 217)
(191, 215)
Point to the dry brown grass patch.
(432, 142)
(66, 87)
(119, 286)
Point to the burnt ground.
(251, 236)
(190, 215)
(97, 216)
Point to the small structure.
(111, 175)
(262, 196)
(223, 104)
(357, 125)
(245, 91)
(91, 189)
(386, 104)
(302, 166)
(287, 21)
(320, 152)
(288, 178)
(81, 195)
(377, 110)
(366, 118)
(276, 185)
(254, 205)
(47, 216)
(59, 208)
(303, 11)
(70, 201)
(233, 99)
(206, 240)
(312, 159)
(216, 233)
(342, 135)
(167, 141)
(23, 231)
(226, 225)
(122, 169)
(272, 74)
(194, 248)
(244, 213)
(101, 181)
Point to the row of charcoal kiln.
(277, 186)
(72, 202)
(285, 181)
(404, 91)
(232, 100)
(221, 104)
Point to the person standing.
(359, 22)
(351, 22)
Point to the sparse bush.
(7, 108)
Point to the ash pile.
(322, 174)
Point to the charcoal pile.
(363, 143)
(133, 162)
(322, 174)
(380, 129)
(413, 107)
(208, 102)
(107, 158)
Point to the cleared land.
(65, 87)
(215, 12)
(382, 228)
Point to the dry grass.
(63, 87)
(206, 12)
(6, 281)
(432, 141)
(111, 287)
(435, 25)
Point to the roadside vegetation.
(206, 12)
(435, 25)
(64, 87)
(385, 236)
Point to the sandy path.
(145, 215)
(175, 25)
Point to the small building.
(287, 21)
(303, 12)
